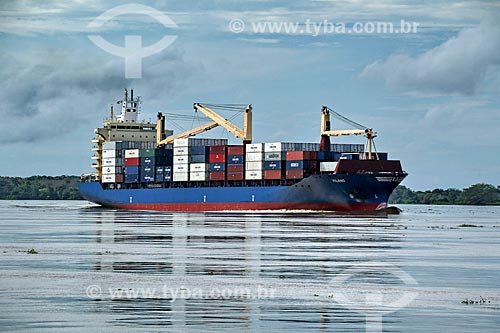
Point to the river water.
(106, 270)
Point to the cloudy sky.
(432, 96)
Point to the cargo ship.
(143, 166)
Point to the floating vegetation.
(465, 225)
(32, 251)
(481, 300)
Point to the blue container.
(198, 158)
(199, 150)
(147, 169)
(272, 165)
(160, 169)
(167, 169)
(148, 161)
(131, 178)
(131, 170)
(215, 167)
(147, 177)
(235, 159)
(297, 165)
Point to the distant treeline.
(39, 188)
(478, 194)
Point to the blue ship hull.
(328, 192)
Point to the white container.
(253, 157)
(108, 179)
(109, 153)
(181, 142)
(327, 166)
(181, 168)
(109, 145)
(107, 162)
(111, 170)
(181, 176)
(253, 166)
(178, 151)
(181, 159)
(198, 167)
(272, 146)
(254, 148)
(198, 176)
(273, 156)
(131, 153)
(253, 174)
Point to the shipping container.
(184, 142)
(198, 158)
(163, 152)
(132, 161)
(235, 159)
(109, 153)
(294, 174)
(272, 165)
(132, 153)
(272, 174)
(181, 159)
(147, 153)
(147, 177)
(327, 166)
(180, 176)
(111, 170)
(198, 167)
(112, 162)
(147, 168)
(253, 174)
(109, 145)
(199, 142)
(300, 155)
(217, 175)
(235, 168)
(235, 175)
(274, 156)
(198, 176)
(181, 168)
(218, 150)
(199, 150)
(254, 148)
(214, 158)
(272, 147)
(181, 151)
(253, 157)
(131, 178)
(108, 178)
(216, 167)
(349, 156)
(253, 165)
(147, 160)
(131, 170)
(235, 150)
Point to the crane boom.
(245, 134)
(160, 141)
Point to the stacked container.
(273, 155)
(235, 163)
(181, 160)
(131, 169)
(254, 158)
(112, 163)
(217, 159)
(300, 164)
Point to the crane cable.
(346, 120)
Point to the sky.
(432, 95)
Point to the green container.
(147, 153)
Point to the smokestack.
(132, 94)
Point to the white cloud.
(457, 66)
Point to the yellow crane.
(326, 132)
(245, 134)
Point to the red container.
(235, 150)
(272, 174)
(133, 161)
(218, 150)
(219, 175)
(313, 165)
(119, 178)
(235, 175)
(217, 158)
(313, 155)
(235, 168)
(294, 174)
(298, 155)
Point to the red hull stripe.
(239, 206)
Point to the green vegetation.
(39, 188)
(478, 194)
